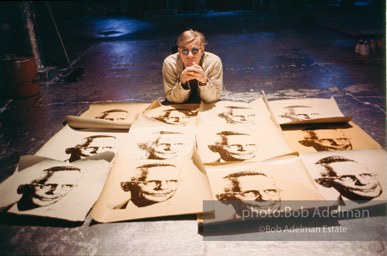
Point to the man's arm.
(212, 90)
(173, 88)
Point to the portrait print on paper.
(71, 145)
(243, 191)
(176, 115)
(90, 146)
(157, 143)
(114, 115)
(232, 145)
(313, 110)
(234, 113)
(250, 191)
(48, 187)
(328, 137)
(166, 145)
(115, 112)
(218, 144)
(152, 183)
(349, 176)
(137, 189)
(296, 113)
(52, 188)
(104, 117)
(325, 139)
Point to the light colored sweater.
(213, 69)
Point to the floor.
(284, 54)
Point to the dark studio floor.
(287, 54)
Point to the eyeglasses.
(115, 119)
(239, 147)
(157, 183)
(95, 149)
(52, 186)
(243, 116)
(353, 178)
(186, 51)
(255, 193)
(169, 145)
(334, 140)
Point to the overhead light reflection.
(115, 27)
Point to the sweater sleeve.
(172, 85)
(214, 71)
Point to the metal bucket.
(20, 77)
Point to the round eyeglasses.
(52, 186)
(354, 178)
(158, 183)
(186, 51)
(256, 193)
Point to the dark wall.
(13, 32)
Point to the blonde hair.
(191, 36)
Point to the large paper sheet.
(259, 189)
(138, 189)
(71, 145)
(237, 113)
(158, 143)
(116, 116)
(178, 115)
(50, 188)
(229, 143)
(313, 110)
(328, 137)
(355, 178)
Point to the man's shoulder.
(212, 58)
(211, 55)
(171, 58)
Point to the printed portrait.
(349, 177)
(71, 145)
(114, 115)
(157, 143)
(234, 146)
(166, 145)
(297, 113)
(234, 113)
(307, 111)
(52, 188)
(253, 189)
(325, 139)
(115, 112)
(180, 115)
(352, 179)
(250, 191)
(238, 115)
(152, 183)
(48, 187)
(138, 189)
(90, 146)
(218, 144)
(328, 137)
